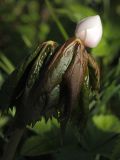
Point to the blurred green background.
(25, 23)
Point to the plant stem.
(11, 147)
(4, 67)
(55, 18)
(5, 64)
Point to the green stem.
(60, 26)
(11, 147)
(4, 67)
(7, 62)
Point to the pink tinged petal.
(89, 30)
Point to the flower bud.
(89, 30)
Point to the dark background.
(25, 23)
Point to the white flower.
(89, 30)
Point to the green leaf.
(101, 135)
(107, 123)
(47, 141)
(39, 145)
(42, 126)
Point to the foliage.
(23, 25)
